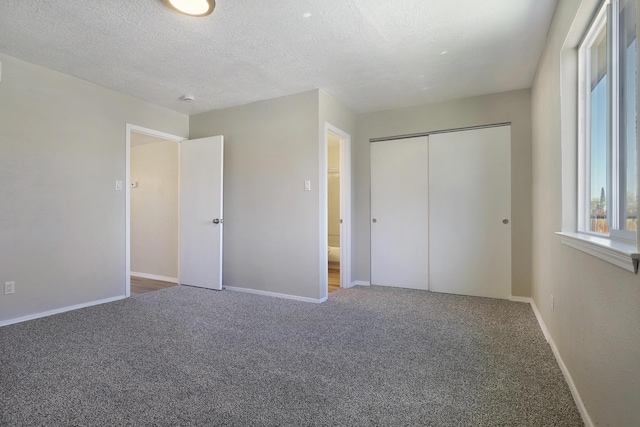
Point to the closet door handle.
(374, 220)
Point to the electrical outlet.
(9, 288)
(552, 303)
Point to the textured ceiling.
(369, 54)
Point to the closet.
(441, 211)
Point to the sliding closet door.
(470, 212)
(399, 208)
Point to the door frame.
(345, 208)
(158, 134)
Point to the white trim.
(543, 327)
(565, 371)
(515, 298)
(274, 294)
(150, 132)
(155, 277)
(59, 310)
(615, 252)
(361, 283)
(349, 285)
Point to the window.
(608, 107)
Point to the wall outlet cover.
(9, 288)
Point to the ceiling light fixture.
(192, 7)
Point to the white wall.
(595, 324)
(62, 147)
(271, 225)
(154, 206)
(514, 107)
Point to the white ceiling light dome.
(193, 7)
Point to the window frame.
(607, 15)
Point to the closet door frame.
(399, 139)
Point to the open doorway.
(333, 211)
(152, 210)
(336, 194)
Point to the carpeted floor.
(367, 356)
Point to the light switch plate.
(307, 186)
(118, 185)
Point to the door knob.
(374, 220)
(217, 221)
(505, 221)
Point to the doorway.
(200, 217)
(335, 191)
(154, 213)
(333, 212)
(152, 197)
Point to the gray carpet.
(367, 356)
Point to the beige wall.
(154, 206)
(336, 114)
(62, 147)
(595, 324)
(514, 107)
(271, 227)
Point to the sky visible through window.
(599, 131)
(599, 139)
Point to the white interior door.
(470, 212)
(201, 167)
(399, 209)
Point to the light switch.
(307, 186)
(119, 185)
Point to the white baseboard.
(275, 294)
(567, 375)
(59, 310)
(545, 331)
(155, 277)
(520, 299)
(360, 283)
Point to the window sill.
(622, 254)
